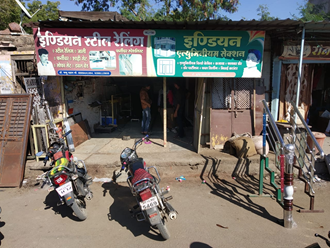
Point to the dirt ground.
(220, 213)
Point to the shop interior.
(102, 107)
(319, 111)
(113, 103)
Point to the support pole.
(300, 69)
(288, 186)
(112, 114)
(64, 113)
(164, 112)
(263, 160)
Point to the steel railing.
(305, 153)
(293, 148)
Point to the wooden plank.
(281, 112)
(260, 95)
(198, 113)
(79, 133)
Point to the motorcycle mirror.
(39, 153)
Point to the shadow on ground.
(122, 210)
(2, 223)
(199, 245)
(238, 193)
(52, 200)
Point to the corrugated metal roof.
(202, 25)
(276, 27)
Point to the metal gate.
(15, 114)
(232, 108)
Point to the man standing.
(45, 67)
(146, 106)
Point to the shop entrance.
(113, 103)
(319, 112)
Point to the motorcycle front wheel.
(163, 229)
(79, 208)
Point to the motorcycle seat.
(141, 174)
(138, 164)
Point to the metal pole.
(308, 131)
(262, 157)
(264, 133)
(273, 124)
(288, 186)
(164, 111)
(64, 113)
(300, 68)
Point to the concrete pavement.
(32, 219)
(102, 154)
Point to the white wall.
(94, 89)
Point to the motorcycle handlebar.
(67, 133)
(46, 159)
(142, 139)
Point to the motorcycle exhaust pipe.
(172, 215)
(89, 196)
(170, 211)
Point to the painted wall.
(6, 78)
(82, 92)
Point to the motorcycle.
(68, 176)
(152, 205)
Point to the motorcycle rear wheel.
(79, 208)
(163, 230)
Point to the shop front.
(314, 88)
(102, 71)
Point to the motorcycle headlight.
(80, 165)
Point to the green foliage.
(312, 12)
(169, 10)
(11, 12)
(48, 11)
(264, 13)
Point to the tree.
(11, 12)
(48, 11)
(312, 12)
(179, 10)
(264, 13)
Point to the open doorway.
(115, 102)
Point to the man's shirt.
(46, 69)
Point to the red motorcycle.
(68, 177)
(152, 204)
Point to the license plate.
(64, 189)
(150, 203)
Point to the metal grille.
(243, 89)
(17, 117)
(24, 66)
(221, 93)
(221, 97)
(33, 87)
(3, 105)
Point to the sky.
(282, 9)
